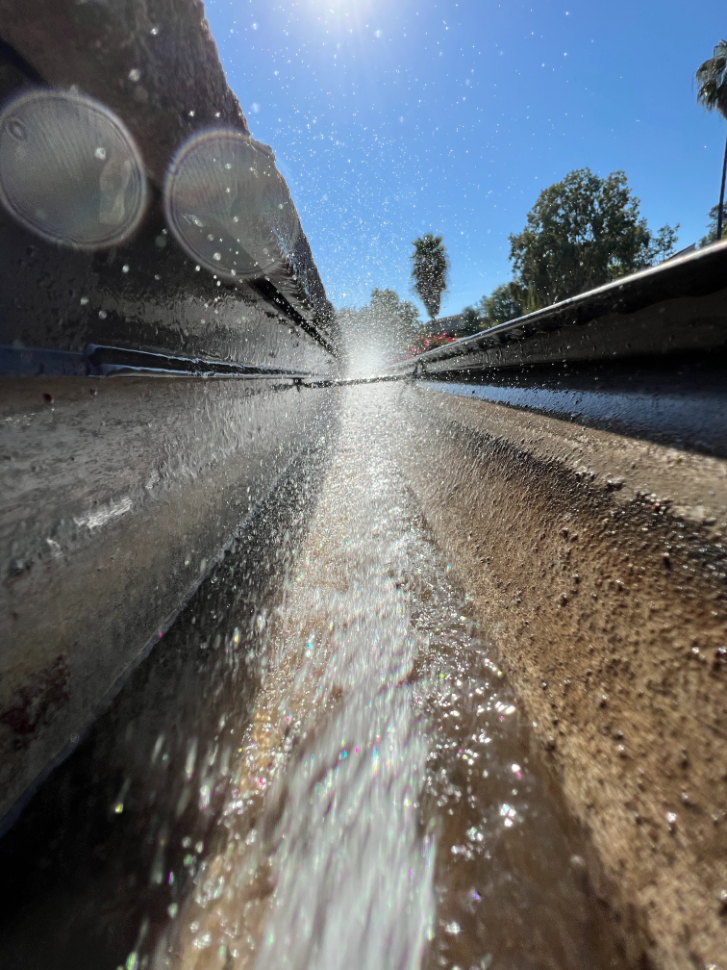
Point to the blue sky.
(390, 118)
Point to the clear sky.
(390, 118)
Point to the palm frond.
(711, 78)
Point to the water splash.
(383, 811)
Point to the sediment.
(598, 563)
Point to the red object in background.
(428, 343)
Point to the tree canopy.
(506, 302)
(386, 319)
(711, 236)
(430, 268)
(399, 317)
(472, 320)
(581, 233)
(711, 80)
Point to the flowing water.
(386, 809)
(365, 796)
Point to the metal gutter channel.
(572, 465)
(119, 493)
(180, 89)
(97, 361)
(675, 307)
(260, 504)
(147, 406)
(644, 357)
(685, 410)
(594, 547)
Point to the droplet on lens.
(69, 170)
(17, 129)
(226, 205)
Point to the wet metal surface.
(144, 293)
(682, 405)
(120, 493)
(82, 886)
(367, 796)
(676, 306)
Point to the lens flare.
(229, 207)
(69, 170)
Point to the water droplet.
(17, 129)
(218, 174)
(134, 75)
(191, 759)
(50, 144)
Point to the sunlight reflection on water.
(384, 812)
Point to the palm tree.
(711, 79)
(430, 266)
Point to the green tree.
(429, 270)
(506, 302)
(472, 320)
(581, 233)
(713, 217)
(389, 313)
(711, 78)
